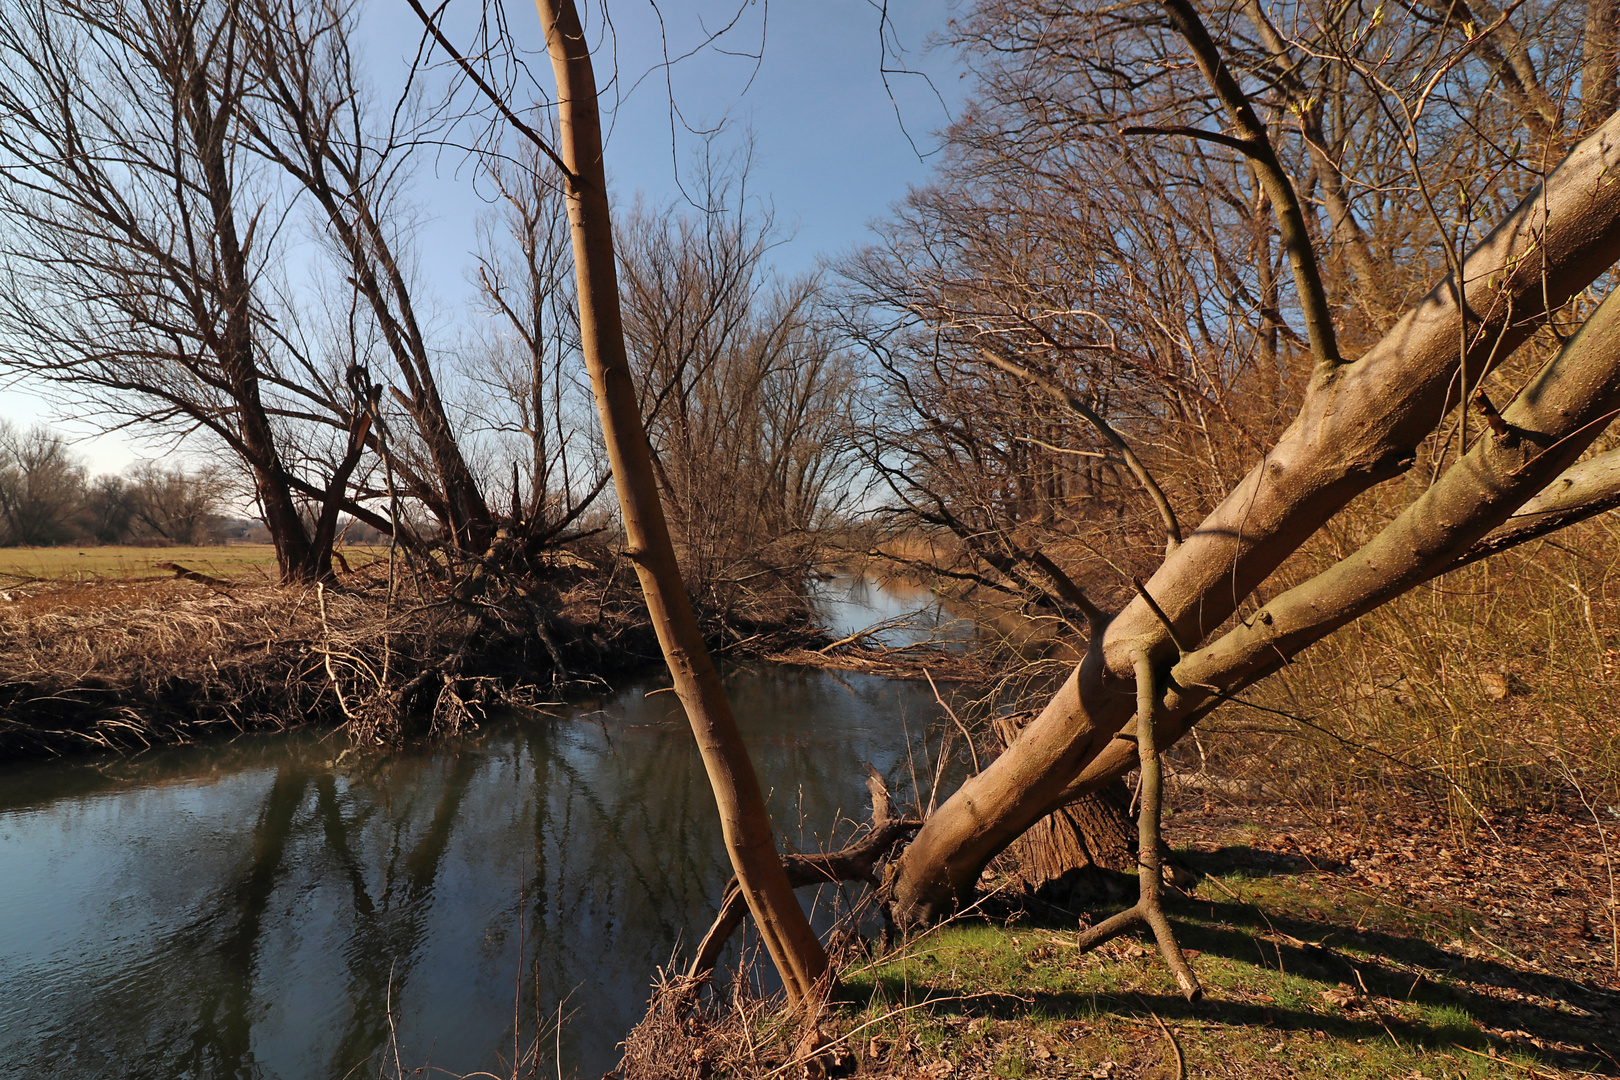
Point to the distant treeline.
(47, 496)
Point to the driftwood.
(193, 575)
(912, 662)
(857, 862)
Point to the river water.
(273, 908)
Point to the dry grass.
(1491, 689)
(111, 657)
(123, 665)
(1316, 964)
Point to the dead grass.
(123, 665)
(93, 661)
(1491, 690)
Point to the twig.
(891, 1014)
(875, 628)
(1149, 907)
(1164, 620)
(1167, 514)
(1175, 1044)
(1531, 1069)
(952, 714)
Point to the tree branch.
(1167, 514)
(1268, 170)
(499, 102)
(1582, 491)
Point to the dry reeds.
(127, 665)
(1477, 692)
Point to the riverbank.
(1325, 952)
(123, 663)
(281, 907)
(126, 649)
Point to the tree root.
(1149, 907)
(857, 862)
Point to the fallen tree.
(1361, 422)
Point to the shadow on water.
(258, 909)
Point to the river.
(273, 907)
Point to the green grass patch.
(230, 561)
(1303, 979)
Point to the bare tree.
(179, 505)
(1423, 386)
(136, 234)
(107, 513)
(530, 358)
(743, 387)
(42, 487)
(310, 117)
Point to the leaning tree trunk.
(1360, 424)
(744, 821)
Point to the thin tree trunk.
(744, 822)
(234, 344)
(1062, 857)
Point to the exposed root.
(124, 665)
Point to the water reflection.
(908, 612)
(252, 910)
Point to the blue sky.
(833, 145)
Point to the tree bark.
(208, 121)
(745, 824)
(1062, 853)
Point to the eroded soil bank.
(125, 665)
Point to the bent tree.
(1361, 419)
(744, 821)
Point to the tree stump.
(1074, 857)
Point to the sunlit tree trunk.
(1359, 425)
(744, 822)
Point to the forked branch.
(1149, 907)
(857, 862)
(1255, 144)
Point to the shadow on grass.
(1240, 860)
(1559, 1022)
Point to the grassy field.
(229, 561)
